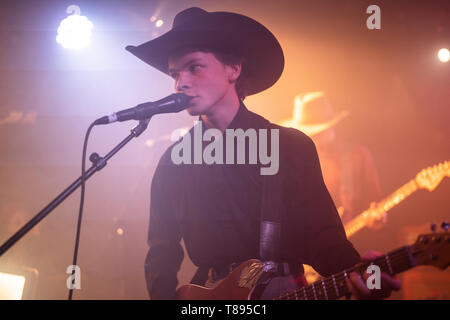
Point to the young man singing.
(219, 58)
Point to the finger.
(371, 255)
(359, 285)
(384, 217)
(387, 285)
(390, 282)
(365, 276)
(352, 289)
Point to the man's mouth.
(192, 98)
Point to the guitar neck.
(383, 206)
(335, 287)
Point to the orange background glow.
(390, 80)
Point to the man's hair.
(227, 59)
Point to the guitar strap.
(272, 210)
(279, 276)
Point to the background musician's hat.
(313, 114)
(224, 32)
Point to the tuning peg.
(433, 227)
(445, 226)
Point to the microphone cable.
(80, 213)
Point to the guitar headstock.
(433, 249)
(430, 177)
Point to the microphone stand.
(98, 163)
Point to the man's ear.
(234, 71)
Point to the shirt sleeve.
(165, 253)
(325, 245)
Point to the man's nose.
(183, 82)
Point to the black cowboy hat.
(224, 32)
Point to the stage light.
(74, 32)
(174, 136)
(150, 142)
(444, 55)
(119, 231)
(11, 286)
(159, 23)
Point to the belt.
(216, 273)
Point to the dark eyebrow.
(193, 60)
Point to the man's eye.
(194, 67)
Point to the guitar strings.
(398, 257)
(318, 286)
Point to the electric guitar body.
(243, 283)
(238, 285)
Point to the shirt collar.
(241, 119)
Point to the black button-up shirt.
(216, 209)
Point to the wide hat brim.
(313, 129)
(224, 32)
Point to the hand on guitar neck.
(429, 249)
(357, 285)
(377, 222)
(429, 178)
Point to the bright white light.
(11, 286)
(74, 32)
(159, 23)
(150, 142)
(444, 55)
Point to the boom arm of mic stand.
(98, 164)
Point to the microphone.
(176, 102)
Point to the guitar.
(428, 178)
(429, 249)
